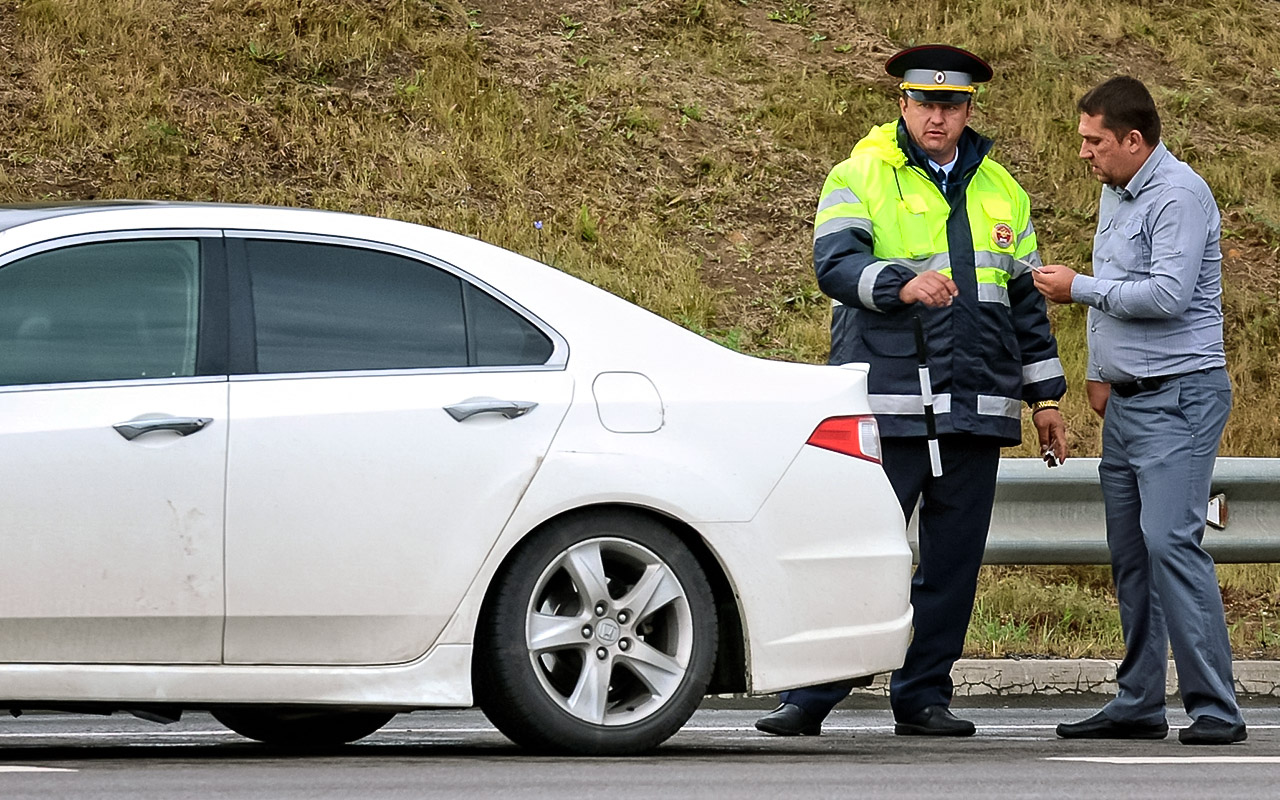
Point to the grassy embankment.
(673, 150)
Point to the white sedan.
(308, 470)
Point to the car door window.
(101, 311)
(320, 307)
(323, 307)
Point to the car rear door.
(113, 405)
(387, 416)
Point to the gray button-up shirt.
(1155, 297)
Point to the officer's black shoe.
(1100, 726)
(1211, 730)
(790, 719)
(934, 721)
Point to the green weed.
(793, 13)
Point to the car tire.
(301, 728)
(599, 638)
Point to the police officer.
(919, 222)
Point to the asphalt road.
(718, 755)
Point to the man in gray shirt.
(1157, 374)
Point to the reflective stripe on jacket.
(882, 219)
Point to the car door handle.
(490, 405)
(182, 426)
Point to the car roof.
(104, 215)
(14, 214)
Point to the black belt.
(1141, 385)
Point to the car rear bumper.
(830, 654)
(823, 584)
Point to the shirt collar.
(946, 168)
(1142, 177)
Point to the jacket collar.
(971, 149)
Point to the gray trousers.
(1158, 451)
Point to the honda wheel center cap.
(607, 631)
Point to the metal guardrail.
(1055, 516)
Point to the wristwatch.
(1041, 405)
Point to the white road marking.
(827, 727)
(67, 734)
(21, 768)
(751, 729)
(1170, 759)
(984, 731)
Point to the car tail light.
(853, 436)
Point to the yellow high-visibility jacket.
(883, 219)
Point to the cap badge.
(1002, 235)
(939, 77)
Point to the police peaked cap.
(938, 73)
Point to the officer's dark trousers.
(955, 513)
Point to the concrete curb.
(1060, 678)
(1056, 677)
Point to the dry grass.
(1033, 611)
(1071, 612)
(671, 149)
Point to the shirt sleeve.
(843, 250)
(1162, 287)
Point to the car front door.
(112, 453)
(387, 417)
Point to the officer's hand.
(1054, 282)
(1053, 435)
(933, 289)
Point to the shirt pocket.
(998, 213)
(1134, 247)
(914, 227)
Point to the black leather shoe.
(790, 719)
(1100, 726)
(1211, 730)
(934, 721)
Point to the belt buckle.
(1140, 385)
(1126, 390)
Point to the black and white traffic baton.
(926, 394)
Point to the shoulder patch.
(1002, 235)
